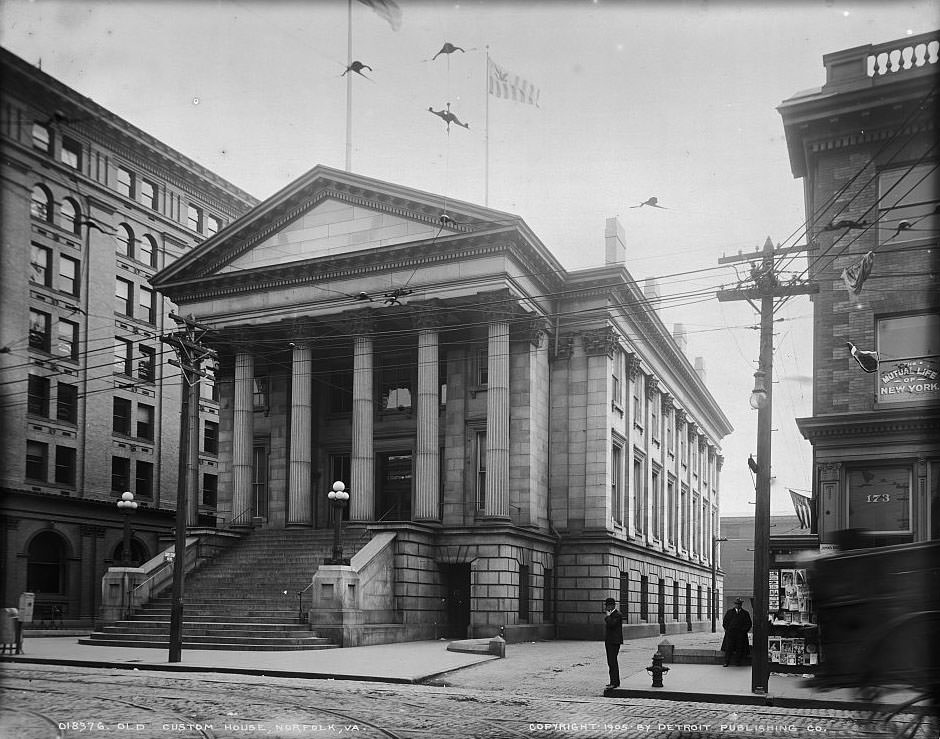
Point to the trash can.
(11, 632)
(26, 604)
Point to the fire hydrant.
(657, 670)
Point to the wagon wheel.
(922, 710)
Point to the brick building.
(534, 439)
(92, 207)
(865, 146)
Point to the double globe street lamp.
(338, 499)
(127, 505)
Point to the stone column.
(497, 419)
(242, 436)
(427, 461)
(362, 484)
(301, 421)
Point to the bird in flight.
(868, 361)
(357, 67)
(447, 48)
(652, 202)
(448, 117)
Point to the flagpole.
(349, 61)
(486, 128)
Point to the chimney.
(678, 333)
(700, 368)
(615, 248)
(651, 289)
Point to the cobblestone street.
(40, 702)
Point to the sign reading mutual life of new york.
(909, 380)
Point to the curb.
(750, 700)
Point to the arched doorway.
(45, 564)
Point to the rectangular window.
(194, 218)
(259, 482)
(699, 602)
(524, 587)
(146, 367)
(210, 438)
(442, 381)
(684, 516)
(879, 498)
(120, 474)
(616, 386)
(147, 251)
(907, 202)
(696, 524)
(212, 225)
(210, 490)
(396, 384)
(625, 593)
(675, 601)
(682, 430)
(68, 339)
(644, 598)
(482, 369)
(37, 396)
(71, 153)
(909, 358)
(616, 482)
(480, 456)
(657, 504)
(121, 416)
(639, 495)
(125, 182)
(65, 465)
(147, 304)
(42, 138)
(671, 517)
(68, 275)
(124, 290)
(669, 418)
(148, 193)
(123, 356)
(209, 388)
(654, 404)
(144, 421)
(37, 460)
(67, 403)
(547, 596)
(259, 394)
(39, 324)
(143, 479)
(40, 263)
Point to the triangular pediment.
(332, 228)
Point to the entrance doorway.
(394, 494)
(455, 579)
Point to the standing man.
(736, 623)
(613, 638)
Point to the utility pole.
(766, 288)
(187, 343)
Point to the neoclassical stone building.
(534, 438)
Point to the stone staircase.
(246, 598)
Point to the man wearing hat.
(737, 622)
(613, 638)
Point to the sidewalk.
(570, 668)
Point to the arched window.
(125, 238)
(45, 564)
(41, 204)
(138, 553)
(68, 216)
(147, 250)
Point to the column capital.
(681, 415)
(362, 322)
(719, 461)
(497, 313)
(652, 386)
(600, 341)
(634, 364)
(536, 328)
(669, 402)
(830, 471)
(427, 315)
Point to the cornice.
(915, 420)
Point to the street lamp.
(338, 498)
(127, 505)
(715, 540)
(758, 397)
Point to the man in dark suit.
(737, 622)
(613, 638)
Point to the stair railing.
(242, 519)
(300, 603)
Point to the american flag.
(804, 509)
(387, 9)
(505, 84)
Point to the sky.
(673, 100)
